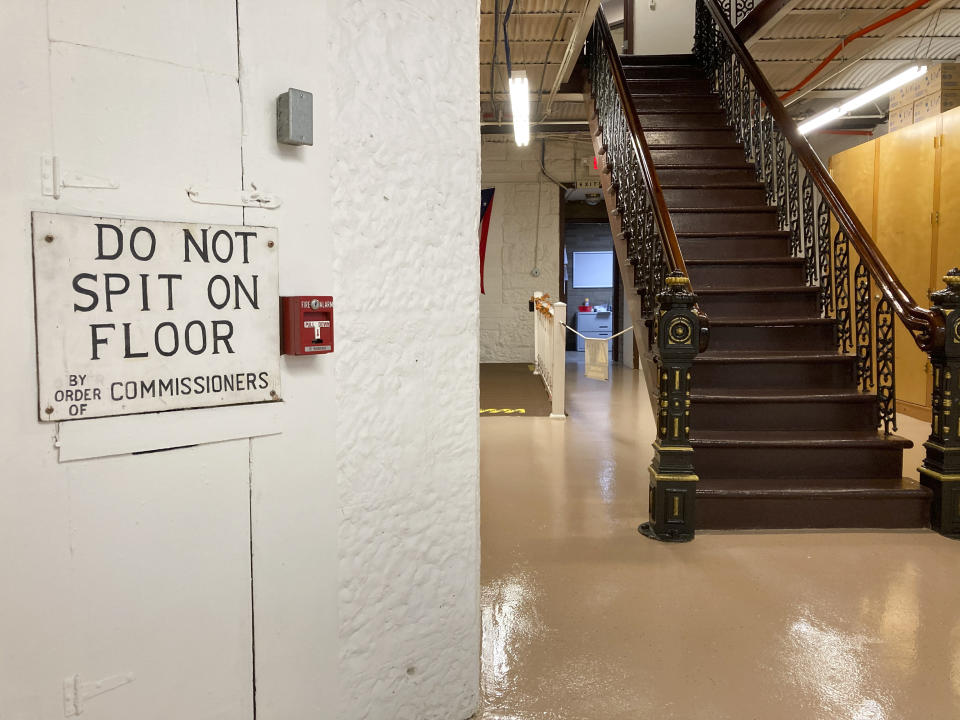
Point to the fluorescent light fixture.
(520, 107)
(884, 88)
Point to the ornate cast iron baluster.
(737, 115)
(649, 239)
(756, 142)
(781, 172)
(941, 466)
(672, 478)
(823, 258)
(743, 7)
(793, 204)
(746, 121)
(886, 389)
(809, 232)
(841, 250)
(861, 281)
(768, 178)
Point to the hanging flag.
(486, 210)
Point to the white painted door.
(133, 568)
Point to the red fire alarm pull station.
(307, 324)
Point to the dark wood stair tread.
(758, 290)
(768, 322)
(797, 438)
(788, 260)
(821, 488)
(779, 395)
(714, 186)
(735, 234)
(733, 209)
(701, 166)
(648, 97)
(691, 146)
(685, 59)
(770, 356)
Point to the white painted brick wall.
(525, 203)
(524, 234)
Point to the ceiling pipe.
(892, 34)
(850, 38)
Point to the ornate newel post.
(672, 480)
(941, 467)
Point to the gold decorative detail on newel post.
(672, 477)
(941, 467)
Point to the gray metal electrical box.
(295, 117)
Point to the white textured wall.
(363, 510)
(404, 224)
(524, 234)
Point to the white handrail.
(550, 346)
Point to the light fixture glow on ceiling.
(878, 91)
(520, 106)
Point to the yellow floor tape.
(503, 411)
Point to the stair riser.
(732, 465)
(760, 513)
(645, 60)
(697, 156)
(663, 72)
(704, 176)
(741, 247)
(679, 102)
(731, 222)
(764, 337)
(764, 375)
(726, 276)
(774, 305)
(689, 137)
(707, 197)
(797, 416)
(654, 120)
(636, 83)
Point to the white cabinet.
(595, 325)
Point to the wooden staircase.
(782, 436)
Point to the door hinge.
(234, 198)
(76, 692)
(53, 179)
(935, 218)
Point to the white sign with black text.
(138, 316)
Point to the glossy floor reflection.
(584, 619)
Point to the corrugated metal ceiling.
(793, 46)
(545, 39)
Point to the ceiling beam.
(570, 55)
(766, 14)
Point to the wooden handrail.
(926, 326)
(668, 236)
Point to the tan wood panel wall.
(905, 186)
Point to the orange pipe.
(850, 38)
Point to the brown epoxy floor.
(584, 619)
(506, 388)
